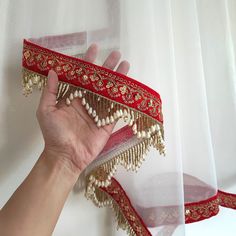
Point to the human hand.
(69, 132)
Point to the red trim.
(118, 194)
(227, 199)
(107, 83)
(194, 212)
(197, 211)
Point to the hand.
(69, 132)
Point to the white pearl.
(71, 96)
(139, 134)
(118, 114)
(30, 82)
(76, 93)
(90, 110)
(87, 106)
(103, 122)
(111, 119)
(96, 119)
(134, 127)
(94, 113)
(115, 116)
(35, 80)
(99, 123)
(67, 101)
(80, 94)
(107, 120)
(131, 122)
(83, 101)
(153, 128)
(143, 134)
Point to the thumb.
(48, 98)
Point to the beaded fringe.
(101, 196)
(104, 112)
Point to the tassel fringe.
(103, 110)
(101, 196)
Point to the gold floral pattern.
(98, 79)
(227, 199)
(202, 210)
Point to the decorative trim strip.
(102, 81)
(227, 199)
(201, 210)
(128, 218)
(194, 212)
(107, 96)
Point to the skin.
(68, 133)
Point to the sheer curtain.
(185, 50)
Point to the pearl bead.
(71, 97)
(111, 119)
(80, 94)
(107, 120)
(143, 134)
(30, 82)
(134, 127)
(94, 113)
(90, 111)
(118, 114)
(76, 93)
(87, 106)
(67, 101)
(96, 119)
(83, 102)
(139, 134)
(99, 123)
(103, 122)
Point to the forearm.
(36, 205)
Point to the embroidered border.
(201, 210)
(97, 79)
(194, 212)
(117, 193)
(227, 199)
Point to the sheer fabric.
(185, 50)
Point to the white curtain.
(184, 49)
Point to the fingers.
(91, 53)
(123, 67)
(48, 97)
(112, 60)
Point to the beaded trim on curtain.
(107, 96)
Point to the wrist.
(61, 160)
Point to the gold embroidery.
(227, 199)
(203, 210)
(115, 198)
(130, 92)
